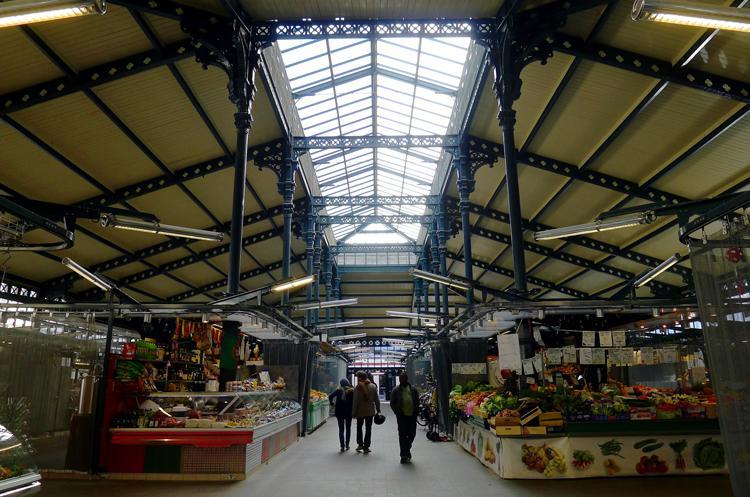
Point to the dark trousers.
(407, 431)
(364, 442)
(345, 430)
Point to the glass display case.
(18, 474)
(208, 410)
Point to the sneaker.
(342, 449)
(366, 450)
(359, 448)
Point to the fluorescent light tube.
(86, 274)
(18, 12)
(654, 272)
(326, 304)
(348, 347)
(437, 278)
(699, 15)
(347, 337)
(340, 324)
(405, 331)
(132, 224)
(411, 315)
(238, 298)
(293, 283)
(595, 227)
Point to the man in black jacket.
(405, 405)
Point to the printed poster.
(605, 338)
(509, 352)
(618, 338)
(554, 357)
(589, 339)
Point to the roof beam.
(374, 201)
(370, 219)
(655, 68)
(483, 151)
(303, 143)
(94, 76)
(376, 248)
(192, 259)
(569, 258)
(582, 241)
(253, 273)
(531, 279)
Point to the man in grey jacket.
(405, 405)
(365, 405)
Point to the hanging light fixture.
(340, 324)
(654, 272)
(325, 304)
(347, 337)
(596, 227)
(692, 14)
(411, 315)
(19, 12)
(293, 283)
(443, 280)
(405, 331)
(133, 224)
(90, 276)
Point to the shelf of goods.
(317, 410)
(534, 435)
(201, 435)
(18, 474)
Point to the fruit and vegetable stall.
(551, 433)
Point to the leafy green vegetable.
(611, 448)
(708, 454)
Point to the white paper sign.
(589, 339)
(615, 357)
(538, 363)
(469, 368)
(554, 356)
(569, 354)
(647, 355)
(509, 352)
(528, 366)
(599, 356)
(618, 338)
(628, 357)
(586, 356)
(265, 378)
(538, 337)
(669, 355)
(605, 338)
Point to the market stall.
(166, 418)
(317, 410)
(18, 474)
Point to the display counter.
(317, 414)
(236, 432)
(18, 473)
(587, 450)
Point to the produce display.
(206, 412)
(255, 385)
(543, 459)
(15, 459)
(317, 395)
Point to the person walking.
(342, 399)
(405, 403)
(365, 404)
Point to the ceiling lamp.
(326, 304)
(411, 315)
(127, 223)
(86, 274)
(692, 14)
(18, 12)
(340, 324)
(596, 226)
(443, 280)
(405, 331)
(347, 347)
(654, 272)
(347, 337)
(293, 284)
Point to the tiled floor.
(315, 468)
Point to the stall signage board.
(554, 356)
(469, 368)
(589, 339)
(608, 456)
(618, 338)
(569, 354)
(509, 352)
(605, 338)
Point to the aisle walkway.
(315, 468)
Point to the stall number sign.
(469, 368)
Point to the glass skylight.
(362, 87)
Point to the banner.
(594, 456)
